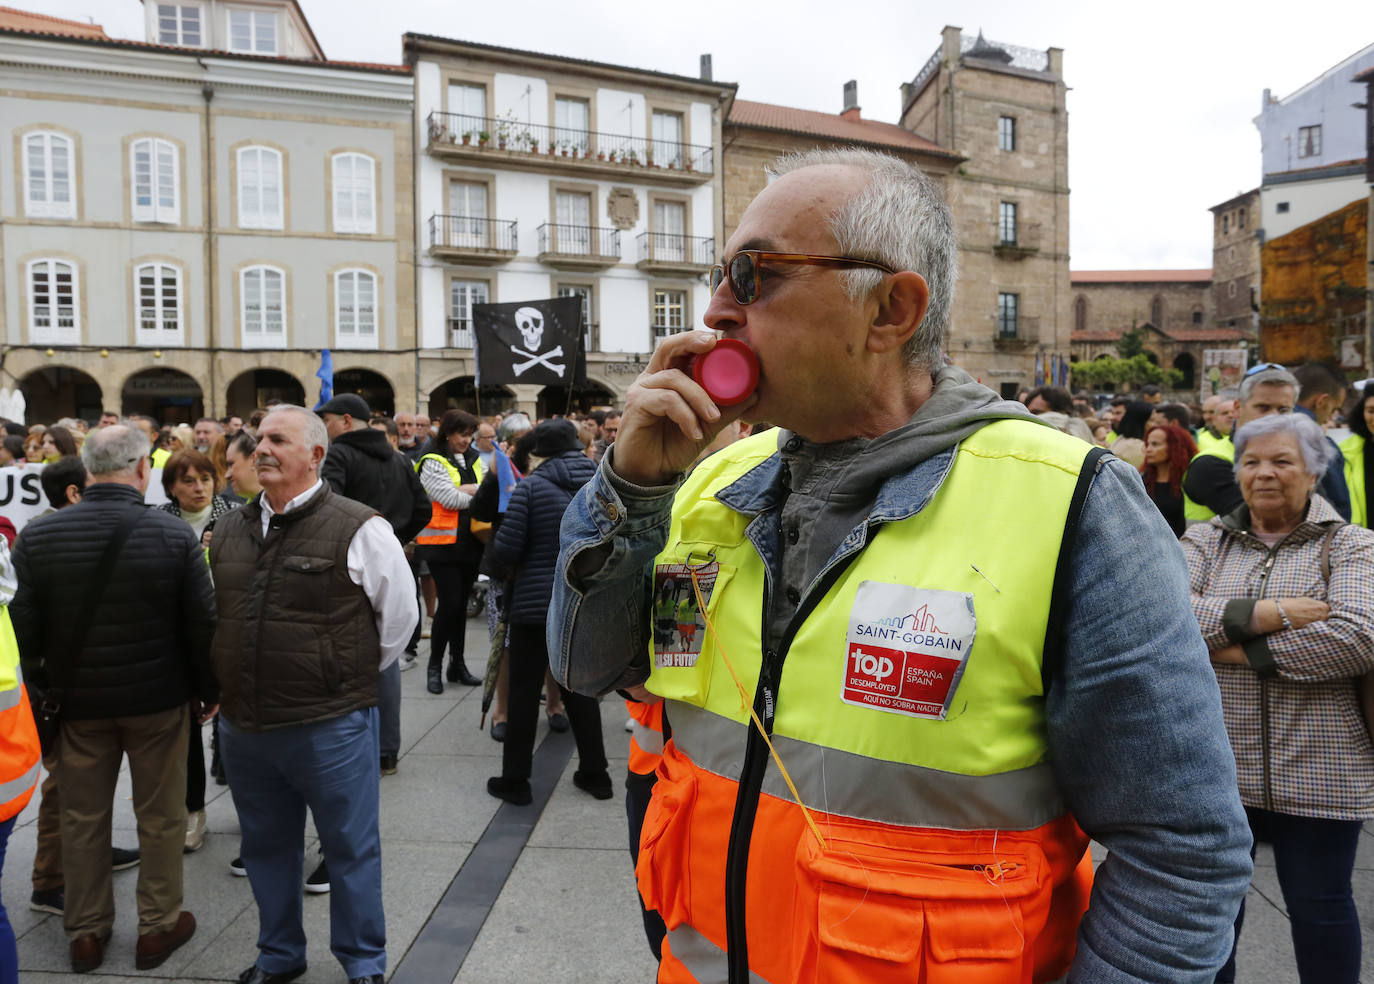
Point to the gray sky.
(1161, 96)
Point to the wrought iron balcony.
(1018, 240)
(578, 247)
(1017, 333)
(670, 252)
(534, 146)
(472, 239)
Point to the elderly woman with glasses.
(1281, 591)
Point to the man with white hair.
(114, 610)
(314, 597)
(899, 593)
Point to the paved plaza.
(476, 891)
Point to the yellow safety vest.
(1352, 449)
(1196, 512)
(160, 456)
(909, 804)
(442, 529)
(19, 750)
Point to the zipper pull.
(997, 871)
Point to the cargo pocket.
(664, 869)
(883, 915)
(305, 583)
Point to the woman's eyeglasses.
(742, 271)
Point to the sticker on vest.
(907, 648)
(679, 627)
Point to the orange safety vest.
(442, 528)
(20, 754)
(646, 738)
(939, 848)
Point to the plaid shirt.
(1293, 714)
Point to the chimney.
(706, 68)
(851, 101)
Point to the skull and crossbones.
(530, 322)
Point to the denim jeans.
(9, 954)
(389, 708)
(331, 767)
(1314, 859)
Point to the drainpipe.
(211, 246)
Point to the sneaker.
(237, 869)
(52, 900)
(318, 882)
(195, 832)
(388, 765)
(409, 661)
(122, 858)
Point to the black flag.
(530, 342)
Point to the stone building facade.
(1172, 308)
(1002, 108)
(191, 219)
(1236, 262)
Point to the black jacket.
(148, 646)
(526, 545)
(363, 466)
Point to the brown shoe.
(154, 948)
(88, 953)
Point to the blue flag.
(326, 374)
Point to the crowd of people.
(879, 700)
(277, 638)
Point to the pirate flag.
(530, 342)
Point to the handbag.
(46, 702)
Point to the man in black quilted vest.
(315, 600)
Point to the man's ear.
(73, 494)
(317, 454)
(903, 299)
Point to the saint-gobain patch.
(679, 627)
(907, 648)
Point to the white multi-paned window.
(462, 295)
(667, 139)
(154, 165)
(158, 289)
(178, 24)
(355, 185)
(571, 121)
(670, 312)
(668, 240)
(49, 176)
(260, 188)
(355, 309)
(52, 302)
(467, 105)
(584, 292)
(262, 299)
(254, 31)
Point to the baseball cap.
(347, 403)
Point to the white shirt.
(378, 565)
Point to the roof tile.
(1140, 276)
(766, 116)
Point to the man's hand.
(668, 418)
(1230, 655)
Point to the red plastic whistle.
(728, 373)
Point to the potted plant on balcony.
(630, 156)
(467, 137)
(483, 138)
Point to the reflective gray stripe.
(9, 790)
(646, 738)
(10, 698)
(706, 961)
(851, 785)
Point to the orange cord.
(746, 703)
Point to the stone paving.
(456, 911)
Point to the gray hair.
(1303, 429)
(114, 450)
(315, 434)
(513, 426)
(899, 218)
(1279, 376)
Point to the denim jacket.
(1133, 711)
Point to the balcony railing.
(1018, 332)
(591, 242)
(673, 249)
(457, 129)
(1021, 236)
(467, 232)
